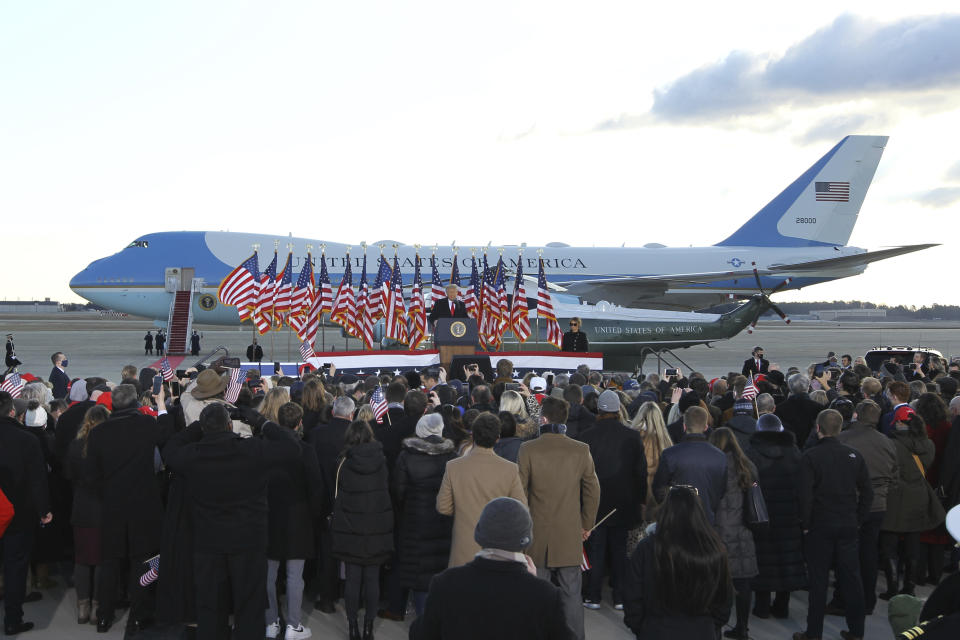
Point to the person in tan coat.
(472, 481)
(563, 492)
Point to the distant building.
(849, 314)
(29, 306)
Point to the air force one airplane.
(800, 235)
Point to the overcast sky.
(588, 123)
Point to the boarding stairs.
(180, 322)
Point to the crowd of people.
(496, 508)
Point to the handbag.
(336, 487)
(935, 506)
(755, 507)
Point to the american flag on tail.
(239, 289)
(233, 389)
(153, 572)
(13, 384)
(378, 403)
(545, 309)
(165, 370)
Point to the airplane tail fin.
(821, 206)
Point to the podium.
(454, 337)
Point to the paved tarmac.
(101, 346)
(55, 616)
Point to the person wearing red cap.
(912, 507)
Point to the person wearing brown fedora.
(208, 388)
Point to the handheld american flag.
(233, 388)
(165, 370)
(545, 309)
(378, 403)
(13, 384)
(750, 391)
(153, 571)
(239, 288)
(263, 313)
(306, 351)
(519, 315)
(584, 560)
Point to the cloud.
(940, 198)
(953, 173)
(850, 57)
(833, 128)
(624, 121)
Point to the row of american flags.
(272, 299)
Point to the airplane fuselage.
(136, 279)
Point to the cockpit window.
(139, 243)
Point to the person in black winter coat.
(678, 582)
(295, 497)
(579, 419)
(327, 441)
(362, 526)
(835, 499)
(798, 412)
(23, 480)
(621, 467)
(424, 546)
(779, 545)
(86, 516)
(120, 464)
(227, 476)
(497, 594)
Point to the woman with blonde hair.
(275, 398)
(513, 402)
(820, 397)
(653, 431)
(86, 515)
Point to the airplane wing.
(845, 262)
(621, 289)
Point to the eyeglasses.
(574, 324)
